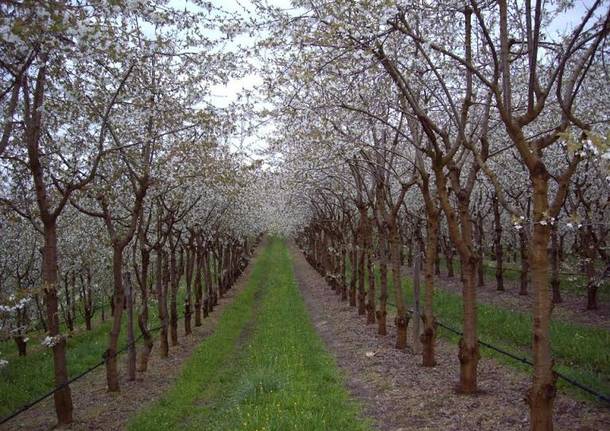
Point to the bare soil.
(399, 394)
(97, 409)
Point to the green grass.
(27, 378)
(264, 368)
(581, 352)
(572, 284)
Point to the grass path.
(265, 367)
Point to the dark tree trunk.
(449, 258)
(39, 309)
(198, 284)
(131, 349)
(190, 264)
(343, 272)
(21, 345)
(143, 314)
(209, 301)
(161, 280)
(499, 255)
(401, 310)
(354, 276)
(173, 284)
(524, 262)
(480, 251)
(62, 397)
(361, 261)
(383, 280)
(112, 373)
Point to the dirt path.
(97, 409)
(399, 394)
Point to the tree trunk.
(143, 314)
(499, 255)
(209, 285)
(428, 338)
(416, 340)
(40, 311)
(131, 349)
(161, 285)
(541, 395)
(461, 235)
(112, 373)
(62, 397)
(190, 263)
(361, 262)
(88, 325)
(449, 259)
(383, 281)
(480, 251)
(370, 304)
(173, 284)
(68, 309)
(198, 285)
(524, 262)
(469, 347)
(401, 311)
(343, 272)
(354, 275)
(21, 345)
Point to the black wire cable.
(75, 378)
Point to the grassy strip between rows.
(572, 284)
(26, 378)
(264, 368)
(29, 377)
(581, 352)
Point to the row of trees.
(444, 127)
(117, 179)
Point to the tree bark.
(198, 284)
(449, 258)
(62, 397)
(354, 273)
(161, 284)
(343, 272)
(190, 264)
(131, 349)
(361, 261)
(480, 251)
(143, 314)
(21, 345)
(541, 395)
(499, 254)
(173, 285)
(401, 310)
(524, 262)
(428, 337)
(112, 373)
(383, 281)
